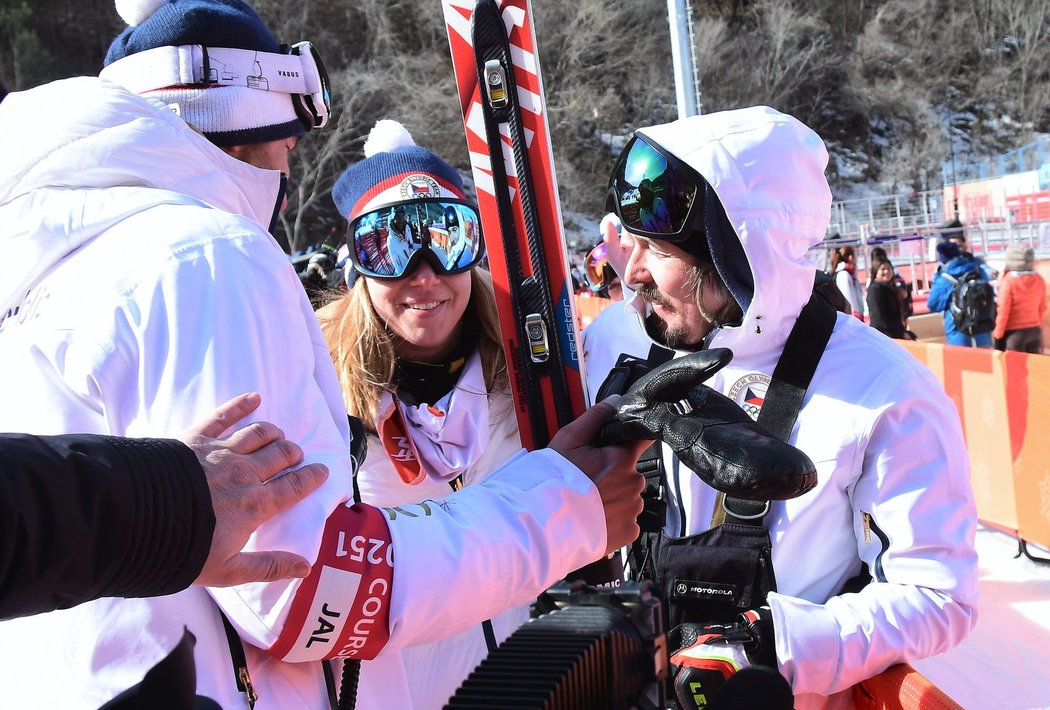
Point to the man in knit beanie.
(957, 268)
(140, 287)
(215, 64)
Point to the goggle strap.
(193, 64)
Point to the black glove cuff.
(762, 648)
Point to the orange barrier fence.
(587, 308)
(1003, 400)
(901, 687)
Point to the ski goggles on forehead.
(296, 70)
(653, 193)
(314, 106)
(390, 241)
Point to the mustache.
(650, 294)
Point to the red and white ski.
(501, 96)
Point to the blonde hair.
(364, 353)
(703, 275)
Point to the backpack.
(972, 303)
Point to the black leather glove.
(707, 655)
(708, 432)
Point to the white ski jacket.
(432, 672)
(139, 288)
(894, 491)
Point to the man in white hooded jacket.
(140, 287)
(893, 503)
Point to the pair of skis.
(501, 96)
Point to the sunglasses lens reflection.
(386, 240)
(649, 193)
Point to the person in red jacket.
(1021, 302)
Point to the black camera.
(590, 647)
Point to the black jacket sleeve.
(85, 516)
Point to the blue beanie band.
(393, 172)
(226, 115)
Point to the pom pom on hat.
(226, 115)
(387, 136)
(134, 12)
(394, 169)
(946, 251)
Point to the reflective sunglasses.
(390, 241)
(653, 193)
(596, 268)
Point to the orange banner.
(1004, 404)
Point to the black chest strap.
(787, 389)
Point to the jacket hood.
(960, 265)
(80, 155)
(767, 170)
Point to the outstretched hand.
(611, 468)
(240, 470)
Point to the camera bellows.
(573, 658)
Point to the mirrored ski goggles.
(653, 193)
(596, 268)
(297, 70)
(390, 241)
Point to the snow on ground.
(1005, 661)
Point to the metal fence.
(1028, 157)
(887, 215)
(914, 254)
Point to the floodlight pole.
(683, 57)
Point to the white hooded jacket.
(139, 288)
(893, 491)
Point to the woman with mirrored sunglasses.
(417, 348)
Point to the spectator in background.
(1021, 303)
(602, 281)
(843, 267)
(884, 301)
(954, 266)
(904, 290)
(988, 272)
(604, 263)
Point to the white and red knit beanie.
(394, 169)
